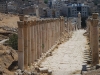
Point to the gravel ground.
(68, 58)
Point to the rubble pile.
(9, 29)
(8, 60)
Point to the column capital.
(37, 22)
(29, 23)
(89, 19)
(61, 17)
(41, 22)
(47, 21)
(25, 24)
(56, 19)
(33, 23)
(20, 24)
(51, 20)
(95, 15)
(26, 17)
(44, 21)
(21, 17)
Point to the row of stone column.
(92, 29)
(37, 37)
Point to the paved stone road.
(68, 58)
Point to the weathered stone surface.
(8, 56)
(15, 73)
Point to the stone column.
(47, 36)
(79, 20)
(38, 39)
(90, 33)
(20, 45)
(55, 31)
(59, 29)
(63, 24)
(37, 11)
(35, 40)
(88, 28)
(51, 32)
(68, 26)
(26, 44)
(56, 23)
(94, 36)
(32, 42)
(43, 36)
(29, 43)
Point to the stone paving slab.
(68, 58)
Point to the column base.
(21, 60)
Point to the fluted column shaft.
(94, 36)
(21, 45)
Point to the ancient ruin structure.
(93, 38)
(37, 11)
(79, 20)
(37, 37)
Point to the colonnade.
(92, 29)
(36, 37)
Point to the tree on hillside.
(13, 41)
